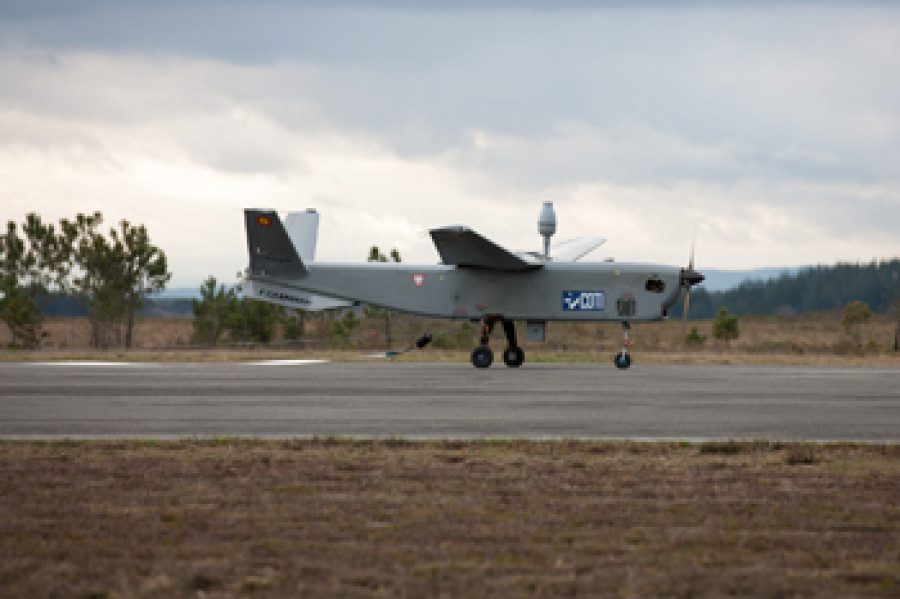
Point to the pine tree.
(375, 255)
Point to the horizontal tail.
(272, 254)
(289, 297)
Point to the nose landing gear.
(623, 359)
(483, 356)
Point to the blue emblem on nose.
(581, 301)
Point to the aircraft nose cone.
(691, 277)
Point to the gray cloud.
(781, 115)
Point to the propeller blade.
(689, 278)
(693, 244)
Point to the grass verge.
(356, 518)
(732, 357)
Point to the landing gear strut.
(483, 356)
(623, 359)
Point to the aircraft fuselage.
(558, 291)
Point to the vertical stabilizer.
(271, 252)
(303, 229)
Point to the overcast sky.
(771, 127)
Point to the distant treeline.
(815, 289)
(61, 304)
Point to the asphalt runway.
(387, 399)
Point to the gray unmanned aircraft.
(476, 280)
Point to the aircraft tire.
(482, 357)
(513, 357)
(622, 361)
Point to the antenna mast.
(547, 226)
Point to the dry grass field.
(805, 339)
(341, 518)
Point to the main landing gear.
(623, 359)
(483, 356)
(513, 356)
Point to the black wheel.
(513, 356)
(623, 361)
(482, 357)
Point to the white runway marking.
(286, 362)
(92, 363)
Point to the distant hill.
(57, 304)
(60, 304)
(723, 280)
(179, 293)
(178, 307)
(811, 289)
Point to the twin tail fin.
(272, 253)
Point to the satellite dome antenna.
(547, 226)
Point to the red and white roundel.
(418, 280)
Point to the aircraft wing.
(573, 249)
(461, 246)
